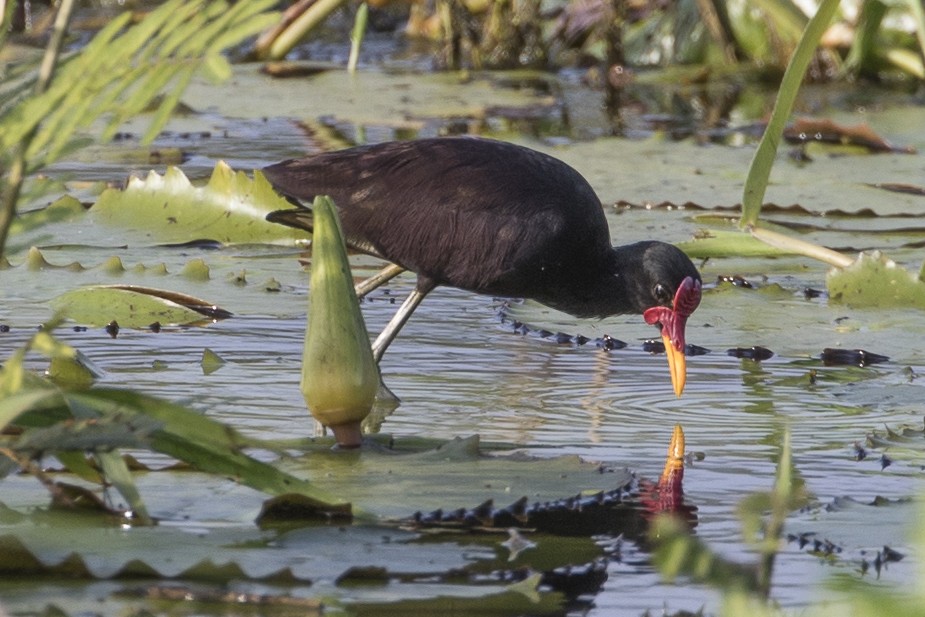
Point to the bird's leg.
(381, 278)
(398, 320)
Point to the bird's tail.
(299, 218)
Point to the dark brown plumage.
(489, 217)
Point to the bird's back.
(478, 214)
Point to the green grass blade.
(860, 56)
(184, 39)
(207, 445)
(918, 15)
(760, 170)
(77, 464)
(169, 103)
(248, 24)
(356, 37)
(117, 473)
(122, 70)
(785, 17)
(208, 30)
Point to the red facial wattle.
(672, 322)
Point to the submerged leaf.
(827, 131)
(230, 209)
(211, 361)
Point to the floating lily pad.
(725, 243)
(168, 208)
(876, 281)
(847, 528)
(134, 306)
(457, 474)
(227, 556)
(59, 210)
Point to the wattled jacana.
(492, 218)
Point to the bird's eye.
(662, 294)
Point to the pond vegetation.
(155, 448)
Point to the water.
(459, 370)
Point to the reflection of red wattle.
(667, 497)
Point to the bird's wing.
(301, 217)
(463, 212)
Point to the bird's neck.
(598, 289)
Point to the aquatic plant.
(720, 35)
(340, 377)
(126, 68)
(869, 280)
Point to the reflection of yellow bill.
(675, 460)
(677, 364)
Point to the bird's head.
(672, 294)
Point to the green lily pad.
(206, 560)
(134, 306)
(457, 474)
(876, 281)
(168, 208)
(725, 243)
(62, 209)
(856, 528)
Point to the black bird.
(492, 218)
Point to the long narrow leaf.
(185, 38)
(169, 103)
(242, 20)
(146, 44)
(860, 56)
(918, 16)
(118, 474)
(148, 88)
(6, 17)
(787, 18)
(110, 96)
(123, 69)
(249, 25)
(59, 132)
(12, 407)
(760, 170)
(77, 464)
(208, 445)
(207, 31)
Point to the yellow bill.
(677, 365)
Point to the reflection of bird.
(516, 543)
(493, 218)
